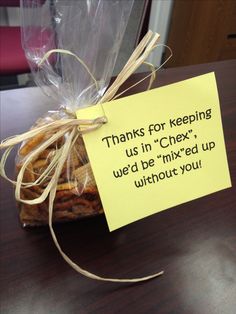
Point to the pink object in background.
(12, 56)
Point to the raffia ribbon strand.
(73, 128)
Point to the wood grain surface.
(195, 243)
(202, 31)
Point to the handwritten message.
(159, 149)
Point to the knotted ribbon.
(74, 127)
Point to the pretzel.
(83, 207)
(64, 216)
(28, 174)
(73, 160)
(82, 153)
(29, 194)
(66, 186)
(31, 144)
(85, 174)
(57, 144)
(47, 153)
(38, 189)
(40, 163)
(65, 194)
(28, 213)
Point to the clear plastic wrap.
(92, 30)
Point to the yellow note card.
(160, 148)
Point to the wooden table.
(194, 243)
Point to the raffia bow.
(73, 128)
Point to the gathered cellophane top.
(84, 39)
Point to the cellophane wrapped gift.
(93, 31)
